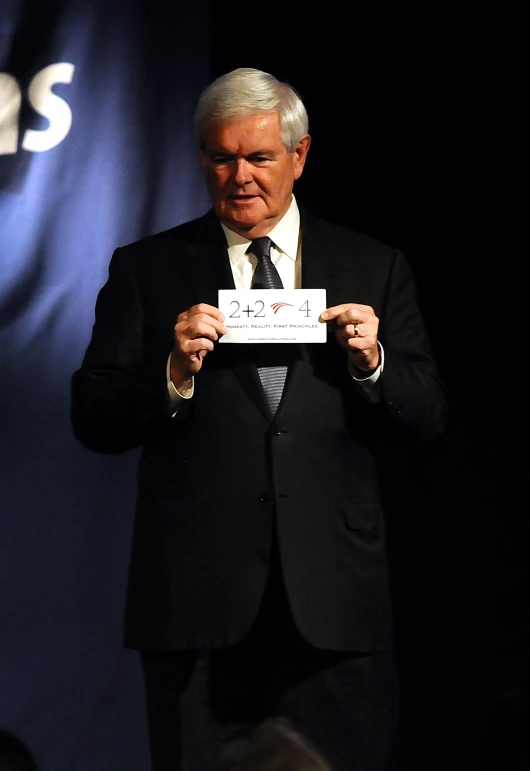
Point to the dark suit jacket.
(210, 480)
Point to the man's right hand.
(196, 331)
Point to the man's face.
(249, 173)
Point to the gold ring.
(356, 330)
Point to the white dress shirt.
(286, 256)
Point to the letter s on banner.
(50, 106)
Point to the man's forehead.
(262, 129)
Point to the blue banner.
(96, 150)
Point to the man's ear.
(300, 155)
(202, 157)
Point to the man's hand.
(356, 327)
(196, 331)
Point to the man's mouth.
(243, 198)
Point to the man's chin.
(242, 218)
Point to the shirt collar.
(285, 234)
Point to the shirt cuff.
(368, 385)
(176, 397)
(375, 375)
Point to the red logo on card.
(276, 306)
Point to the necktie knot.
(265, 276)
(261, 247)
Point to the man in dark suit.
(259, 548)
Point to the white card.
(273, 315)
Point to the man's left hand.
(356, 328)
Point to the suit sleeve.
(411, 387)
(119, 394)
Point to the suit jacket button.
(265, 498)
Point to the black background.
(419, 120)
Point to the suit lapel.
(208, 262)
(320, 265)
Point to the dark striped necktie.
(267, 277)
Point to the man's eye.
(219, 161)
(260, 159)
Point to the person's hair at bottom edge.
(275, 745)
(15, 755)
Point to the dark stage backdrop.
(96, 101)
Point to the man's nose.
(242, 173)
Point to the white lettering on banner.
(43, 101)
(10, 101)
